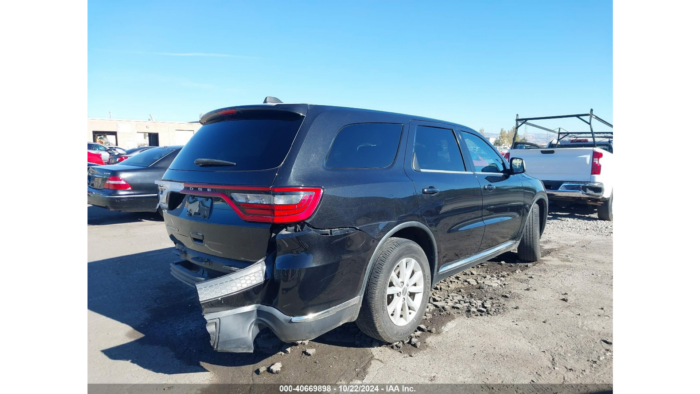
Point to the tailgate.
(563, 164)
(241, 152)
(210, 226)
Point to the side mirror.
(517, 166)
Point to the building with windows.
(134, 133)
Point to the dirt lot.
(502, 322)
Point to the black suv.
(301, 217)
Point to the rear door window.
(365, 145)
(436, 149)
(485, 159)
(254, 140)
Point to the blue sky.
(477, 63)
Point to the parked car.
(115, 150)
(94, 159)
(576, 167)
(99, 149)
(303, 217)
(130, 186)
(503, 150)
(114, 159)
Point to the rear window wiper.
(213, 162)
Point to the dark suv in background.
(303, 217)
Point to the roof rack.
(526, 121)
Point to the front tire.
(397, 292)
(529, 248)
(605, 211)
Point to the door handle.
(489, 187)
(431, 190)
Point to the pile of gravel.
(589, 224)
(576, 218)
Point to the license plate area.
(198, 207)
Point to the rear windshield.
(148, 157)
(254, 140)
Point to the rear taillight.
(117, 183)
(507, 155)
(595, 166)
(121, 158)
(264, 204)
(280, 205)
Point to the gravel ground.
(577, 219)
(502, 322)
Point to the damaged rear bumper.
(234, 329)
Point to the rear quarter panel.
(367, 203)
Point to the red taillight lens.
(595, 166)
(117, 183)
(121, 158)
(507, 155)
(280, 205)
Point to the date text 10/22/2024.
(348, 389)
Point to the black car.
(302, 217)
(117, 158)
(130, 186)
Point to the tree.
(506, 137)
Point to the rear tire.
(529, 247)
(375, 319)
(605, 211)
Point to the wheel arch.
(543, 204)
(414, 231)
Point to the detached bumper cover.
(234, 329)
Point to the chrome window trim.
(444, 172)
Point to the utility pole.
(110, 115)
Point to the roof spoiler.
(217, 115)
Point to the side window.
(485, 159)
(436, 149)
(365, 145)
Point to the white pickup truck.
(574, 168)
